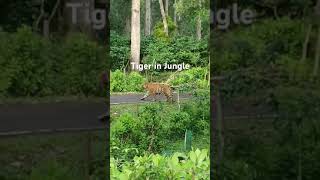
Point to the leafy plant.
(51, 170)
(122, 82)
(194, 165)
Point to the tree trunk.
(305, 44)
(317, 56)
(220, 128)
(36, 24)
(275, 12)
(199, 24)
(175, 13)
(47, 22)
(199, 27)
(127, 28)
(167, 8)
(147, 28)
(46, 28)
(164, 18)
(135, 32)
(299, 177)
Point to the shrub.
(262, 43)
(147, 132)
(119, 51)
(154, 124)
(179, 123)
(195, 77)
(8, 64)
(135, 82)
(82, 65)
(121, 82)
(35, 66)
(179, 50)
(29, 66)
(159, 30)
(117, 81)
(125, 129)
(175, 51)
(195, 165)
(51, 170)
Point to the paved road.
(59, 116)
(135, 98)
(24, 118)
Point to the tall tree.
(127, 28)
(167, 7)
(308, 19)
(317, 55)
(148, 20)
(195, 9)
(164, 18)
(175, 12)
(199, 23)
(135, 31)
(306, 43)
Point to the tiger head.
(146, 85)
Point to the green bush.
(8, 64)
(159, 33)
(35, 66)
(147, 131)
(119, 51)
(121, 82)
(82, 65)
(195, 165)
(199, 110)
(176, 51)
(135, 82)
(179, 50)
(154, 124)
(117, 81)
(51, 170)
(179, 123)
(195, 77)
(29, 67)
(262, 43)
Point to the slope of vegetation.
(154, 133)
(36, 67)
(274, 61)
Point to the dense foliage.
(185, 80)
(262, 67)
(154, 125)
(178, 50)
(34, 66)
(122, 82)
(194, 165)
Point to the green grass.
(198, 142)
(117, 110)
(54, 155)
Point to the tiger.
(154, 89)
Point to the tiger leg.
(154, 96)
(169, 96)
(145, 96)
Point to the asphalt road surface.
(45, 117)
(22, 118)
(135, 98)
(72, 116)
